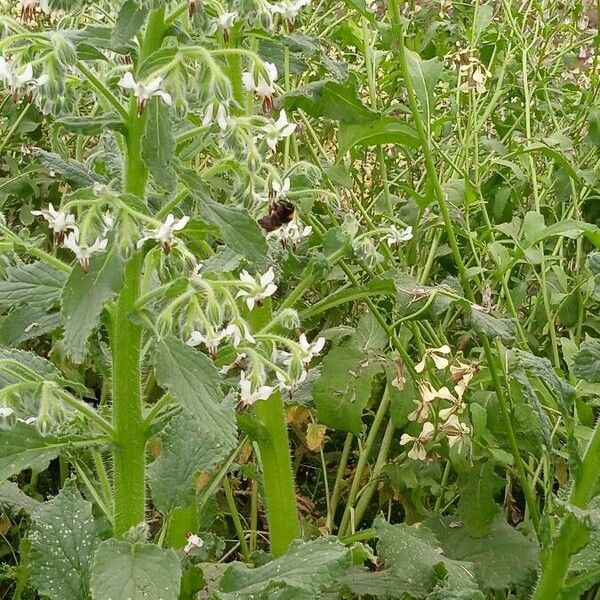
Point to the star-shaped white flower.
(310, 350)
(164, 234)
(279, 189)
(144, 91)
(15, 81)
(210, 339)
(193, 541)
(81, 251)
(419, 451)
(277, 130)
(224, 22)
(263, 85)
(248, 396)
(397, 236)
(60, 222)
(289, 10)
(216, 112)
(258, 289)
(291, 233)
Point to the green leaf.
(370, 335)
(13, 499)
(63, 540)
(36, 282)
(476, 506)
(26, 323)
(84, 297)
(484, 17)
(189, 446)
(194, 382)
(23, 446)
(74, 172)
(384, 130)
(158, 144)
(19, 365)
(131, 17)
(492, 327)
(586, 361)
(125, 571)
(424, 75)
(306, 570)
(92, 124)
(240, 231)
(502, 559)
(344, 387)
(413, 556)
(330, 99)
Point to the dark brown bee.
(280, 213)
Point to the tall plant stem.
(460, 265)
(125, 335)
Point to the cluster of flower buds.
(444, 418)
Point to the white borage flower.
(289, 10)
(398, 236)
(144, 91)
(165, 232)
(216, 112)
(224, 22)
(83, 252)
(277, 130)
(310, 350)
(419, 450)
(436, 355)
(262, 85)
(280, 189)
(259, 289)
(5, 412)
(28, 9)
(248, 395)
(193, 542)
(210, 339)
(291, 233)
(60, 221)
(23, 80)
(455, 430)
(108, 223)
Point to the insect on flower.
(281, 212)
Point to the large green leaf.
(131, 17)
(36, 282)
(302, 573)
(23, 446)
(92, 124)
(84, 297)
(194, 382)
(189, 446)
(493, 327)
(424, 75)
(125, 571)
(20, 365)
(384, 130)
(13, 499)
(476, 506)
(331, 99)
(344, 387)
(158, 144)
(74, 172)
(63, 540)
(26, 323)
(503, 558)
(239, 230)
(586, 361)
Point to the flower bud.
(289, 318)
(64, 51)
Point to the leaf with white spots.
(126, 571)
(63, 541)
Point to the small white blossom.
(397, 236)
(60, 222)
(310, 350)
(291, 233)
(144, 91)
(248, 396)
(5, 412)
(16, 81)
(83, 252)
(210, 339)
(441, 362)
(455, 430)
(277, 130)
(223, 22)
(108, 223)
(216, 112)
(259, 289)
(263, 86)
(164, 234)
(289, 10)
(193, 541)
(280, 190)
(418, 451)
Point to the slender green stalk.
(339, 478)
(235, 517)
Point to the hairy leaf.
(131, 17)
(26, 323)
(493, 327)
(13, 499)
(92, 124)
(63, 540)
(36, 282)
(74, 172)
(586, 361)
(158, 144)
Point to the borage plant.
(222, 224)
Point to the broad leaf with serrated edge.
(158, 144)
(586, 361)
(20, 365)
(125, 571)
(84, 297)
(37, 282)
(74, 172)
(26, 323)
(189, 446)
(193, 381)
(302, 573)
(63, 540)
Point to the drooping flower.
(144, 91)
(15, 82)
(457, 406)
(280, 189)
(216, 112)
(310, 350)
(263, 85)
(397, 236)
(210, 339)
(259, 289)
(83, 252)
(288, 10)
(164, 234)
(248, 396)
(428, 394)
(193, 541)
(277, 130)
(5, 412)
(28, 9)
(291, 233)
(60, 222)
(224, 22)
(436, 355)
(462, 375)
(419, 451)
(455, 430)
